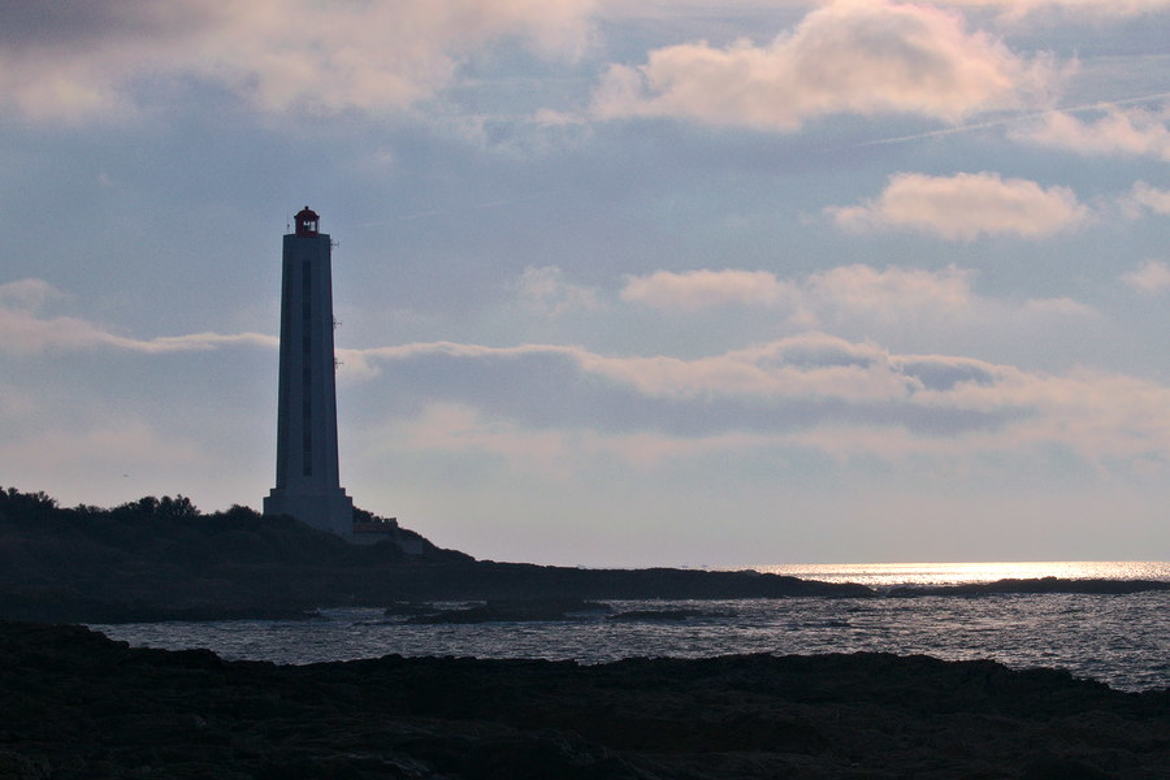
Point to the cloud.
(693, 290)
(1142, 197)
(809, 365)
(890, 293)
(812, 365)
(815, 391)
(966, 206)
(70, 62)
(1152, 277)
(853, 293)
(769, 389)
(544, 405)
(29, 294)
(1016, 9)
(852, 290)
(545, 291)
(25, 332)
(864, 57)
(1132, 132)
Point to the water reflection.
(890, 574)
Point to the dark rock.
(73, 704)
(1034, 585)
(399, 608)
(1050, 768)
(15, 766)
(518, 610)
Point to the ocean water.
(1122, 640)
(885, 575)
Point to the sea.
(1121, 640)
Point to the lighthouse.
(308, 486)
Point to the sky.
(620, 282)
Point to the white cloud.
(1015, 9)
(809, 365)
(1143, 197)
(280, 54)
(693, 290)
(1134, 132)
(754, 371)
(966, 206)
(1060, 307)
(890, 293)
(762, 371)
(29, 294)
(703, 9)
(850, 294)
(545, 291)
(853, 290)
(1152, 277)
(862, 57)
(24, 332)
(542, 405)
(837, 396)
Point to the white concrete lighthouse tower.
(307, 482)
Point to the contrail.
(1097, 106)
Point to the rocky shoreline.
(78, 705)
(74, 704)
(1033, 586)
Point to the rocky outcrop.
(518, 611)
(76, 705)
(1035, 585)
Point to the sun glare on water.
(887, 574)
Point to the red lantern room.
(306, 222)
